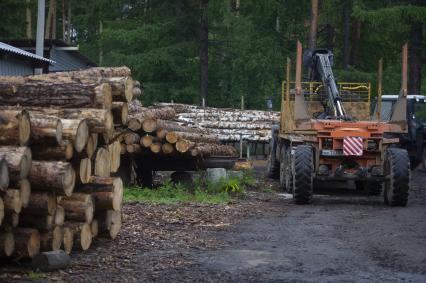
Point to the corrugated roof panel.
(11, 49)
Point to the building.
(67, 57)
(17, 62)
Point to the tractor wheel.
(286, 178)
(397, 168)
(273, 165)
(303, 167)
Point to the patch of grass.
(33, 275)
(202, 191)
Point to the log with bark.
(12, 201)
(51, 260)
(7, 243)
(25, 92)
(82, 234)
(41, 203)
(19, 160)
(98, 120)
(56, 176)
(15, 127)
(151, 125)
(51, 240)
(45, 129)
(83, 170)
(76, 131)
(109, 223)
(101, 72)
(27, 242)
(4, 174)
(39, 222)
(107, 192)
(78, 207)
(60, 152)
(205, 150)
(184, 146)
(173, 137)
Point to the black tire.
(286, 177)
(303, 167)
(397, 168)
(273, 165)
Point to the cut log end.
(24, 128)
(68, 180)
(94, 228)
(146, 140)
(7, 243)
(167, 148)
(128, 89)
(149, 125)
(155, 147)
(68, 239)
(103, 163)
(85, 170)
(4, 175)
(81, 136)
(27, 242)
(25, 192)
(25, 163)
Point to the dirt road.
(341, 237)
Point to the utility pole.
(40, 32)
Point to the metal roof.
(17, 51)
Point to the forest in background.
(224, 49)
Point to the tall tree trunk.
(53, 35)
(355, 38)
(69, 22)
(415, 58)
(28, 20)
(347, 7)
(64, 22)
(101, 51)
(48, 28)
(314, 25)
(204, 51)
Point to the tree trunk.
(107, 192)
(41, 204)
(33, 93)
(64, 36)
(99, 72)
(29, 28)
(54, 176)
(27, 242)
(200, 138)
(10, 121)
(78, 207)
(7, 243)
(415, 58)
(356, 36)
(347, 7)
(12, 201)
(204, 52)
(313, 26)
(19, 160)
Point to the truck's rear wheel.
(397, 168)
(286, 178)
(273, 165)
(303, 166)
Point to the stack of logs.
(57, 153)
(152, 131)
(228, 125)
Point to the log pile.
(228, 125)
(57, 156)
(151, 130)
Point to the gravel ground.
(342, 237)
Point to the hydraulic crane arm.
(321, 70)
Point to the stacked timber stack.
(229, 125)
(151, 130)
(57, 153)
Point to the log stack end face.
(24, 128)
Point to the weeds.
(201, 191)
